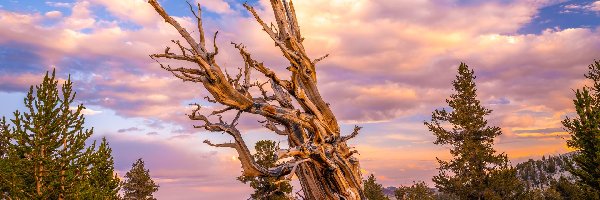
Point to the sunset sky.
(391, 64)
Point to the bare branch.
(210, 100)
(182, 48)
(261, 68)
(294, 21)
(229, 144)
(352, 135)
(271, 126)
(216, 112)
(173, 56)
(199, 22)
(287, 52)
(294, 165)
(237, 117)
(184, 73)
(320, 59)
(215, 44)
(293, 152)
(351, 153)
(195, 46)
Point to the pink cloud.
(218, 6)
(389, 61)
(201, 174)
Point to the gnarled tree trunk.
(319, 155)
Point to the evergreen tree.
(44, 156)
(585, 131)
(103, 181)
(45, 152)
(417, 191)
(373, 190)
(139, 185)
(4, 163)
(267, 187)
(569, 190)
(469, 174)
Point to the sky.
(391, 64)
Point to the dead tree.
(318, 153)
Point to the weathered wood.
(321, 159)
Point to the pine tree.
(103, 181)
(4, 162)
(585, 131)
(267, 187)
(469, 174)
(373, 190)
(139, 185)
(45, 148)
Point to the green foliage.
(138, 184)
(373, 190)
(417, 191)
(4, 162)
(44, 155)
(504, 184)
(570, 190)
(585, 131)
(475, 172)
(267, 187)
(103, 182)
(562, 188)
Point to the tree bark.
(320, 157)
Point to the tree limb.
(352, 135)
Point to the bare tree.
(318, 154)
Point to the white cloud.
(573, 6)
(59, 4)
(218, 6)
(594, 6)
(53, 14)
(87, 111)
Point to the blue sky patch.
(40, 6)
(568, 14)
(19, 58)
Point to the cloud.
(80, 18)
(499, 101)
(53, 14)
(201, 174)
(393, 68)
(129, 129)
(544, 130)
(88, 111)
(59, 4)
(19, 83)
(152, 133)
(595, 6)
(136, 11)
(370, 102)
(218, 6)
